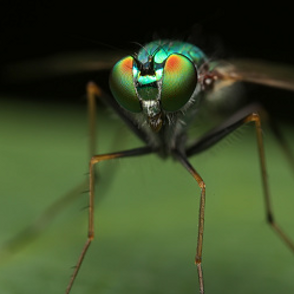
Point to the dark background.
(35, 29)
(30, 30)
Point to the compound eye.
(122, 85)
(179, 82)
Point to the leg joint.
(270, 218)
(252, 117)
(198, 260)
(202, 185)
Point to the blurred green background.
(146, 210)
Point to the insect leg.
(219, 133)
(93, 91)
(94, 160)
(198, 259)
(111, 102)
(270, 218)
(33, 230)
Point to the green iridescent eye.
(179, 82)
(122, 85)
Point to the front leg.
(94, 160)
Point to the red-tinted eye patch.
(122, 85)
(174, 64)
(179, 82)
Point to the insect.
(161, 92)
(158, 92)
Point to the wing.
(256, 71)
(60, 65)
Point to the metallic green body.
(164, 48)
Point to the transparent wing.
(256, 71)
(245, 70)
(60, 65)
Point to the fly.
(159, 92)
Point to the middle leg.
(198, 258)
